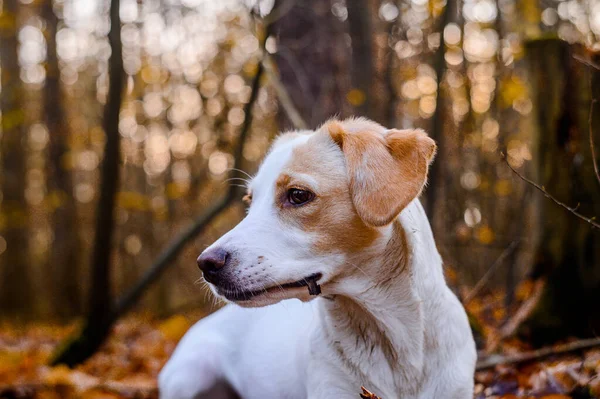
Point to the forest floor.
(128, 364)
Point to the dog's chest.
(358, 358)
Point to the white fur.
(310, 349)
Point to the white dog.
(335, 222)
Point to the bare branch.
(278, 12)
(593, 65)
(592, 148)
(282, 93)
(524, 311)
(589, 63)
(488, 274)
(495, 360)
(586, 219)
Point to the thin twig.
(589, 63)
(591, 130)
(488, 274)
(284, 97)
(278, 12)
(390, 57)
(522, 314)
(593, 65)
(494, 360)
(586, 219)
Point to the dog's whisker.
(277, 285)
(241, 171)
(237, 178)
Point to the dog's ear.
(387, 168)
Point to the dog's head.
(319, 199)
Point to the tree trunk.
(64, 262)
(312, 61)
(568, 254)
(359, 28)
(441, 115)
(15, 285)
(100, 302)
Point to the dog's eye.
(299, 197)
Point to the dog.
(337, 264)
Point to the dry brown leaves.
(127, 365)
(571, 375)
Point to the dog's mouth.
(237, 295)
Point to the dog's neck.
(378, 315)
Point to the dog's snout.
(213, 260)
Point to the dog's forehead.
(278, 157)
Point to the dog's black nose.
(213, 260)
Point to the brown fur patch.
(395, 266)
(363, 186)
(331, 215)
(387, 169)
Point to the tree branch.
(586, 219)
(526, 308)
(284, 97)
(390, 61)
(589, 63)
(495, 360)
(488, 274)
(524, 311)
(592, 147)
(593, 65)
(169, 254)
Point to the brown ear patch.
(387, 169)
(336, 131)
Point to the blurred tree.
(568, 255)
(64, 258)
(16, 298)
(99, 318)
(312, 58)
(441, 117)
(361, 36)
